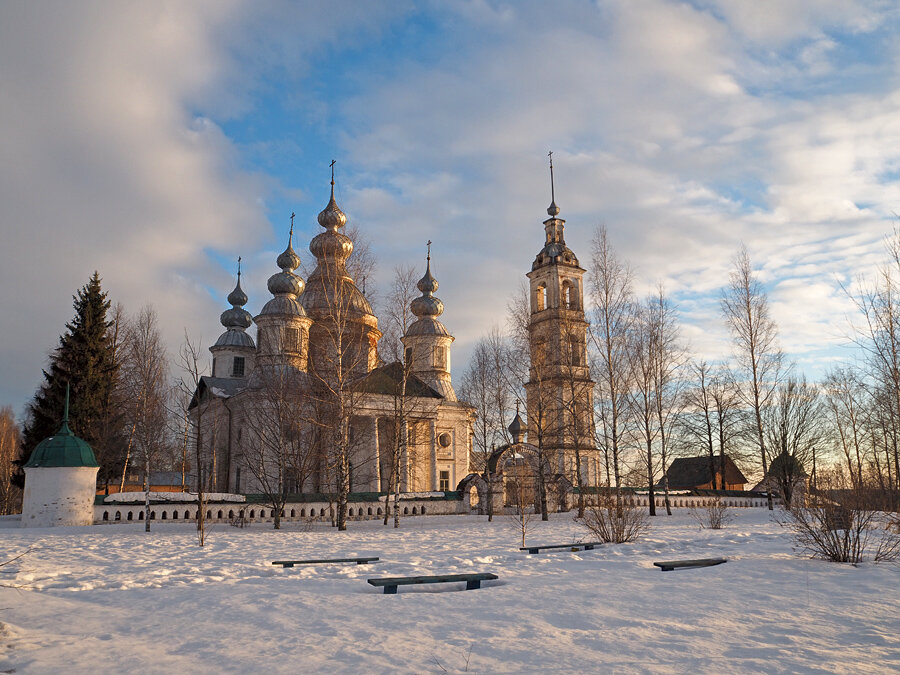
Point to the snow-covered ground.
(114, 599)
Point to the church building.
(309, 403)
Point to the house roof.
(689, 472)
(388, 380)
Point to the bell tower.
(559, 390)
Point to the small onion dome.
(331, 217)
(427, 305)
(63, 449)
(553, 209)
(237, 316)
(285, 285)
(331, 245)
(517, 428)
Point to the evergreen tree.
(86, 360)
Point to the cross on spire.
(292, 222)
(332, 171)
(429, 249)
(239, 268)
(552, 189)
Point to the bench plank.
(668, 566)
(473, 581)
(291, 563)
(586, 545)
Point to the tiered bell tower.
(559, 390)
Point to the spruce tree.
(86, 360)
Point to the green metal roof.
(63, 449)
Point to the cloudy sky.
(157, 141)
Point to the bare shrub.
(844, 525)
(713, 516)
(614, 523)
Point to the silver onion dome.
(427, 305)
(331, 217)
(285, 285)
(237, 317)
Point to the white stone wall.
(59, 496)
(261, 513)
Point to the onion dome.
(517, 428)
(63, 449)
(331, 249)
(285, 285)
(331, 217)
(237, 318)
(427, 307)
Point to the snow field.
(116, 599)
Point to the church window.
(214, 366)
(440, 358)
(292, 339)
(408, 356)
(540, 298)
(444, 481)
(237, 369)
(570, 295)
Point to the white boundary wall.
(371, 510)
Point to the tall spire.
(553, 209)
(64, 429)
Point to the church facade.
(309, 404)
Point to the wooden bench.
(670, 565)
(472, 580)
(585, 545)
(291, 563)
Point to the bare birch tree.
(10, 441)
(612, 316)
(745, 307)
(145, 371)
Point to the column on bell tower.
(559, 393)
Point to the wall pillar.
(433, 453)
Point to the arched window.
(293, 513)
(379, 511)
(140, 515)
(118, 515)
(153, 515)
(106, 515)
(163, 515)
(220, 514)
(370, 511)
(130, 514)
(423, 511)
(230, 514)
(540, 298)
(351, 513)
(570, 294)
(303, 513)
